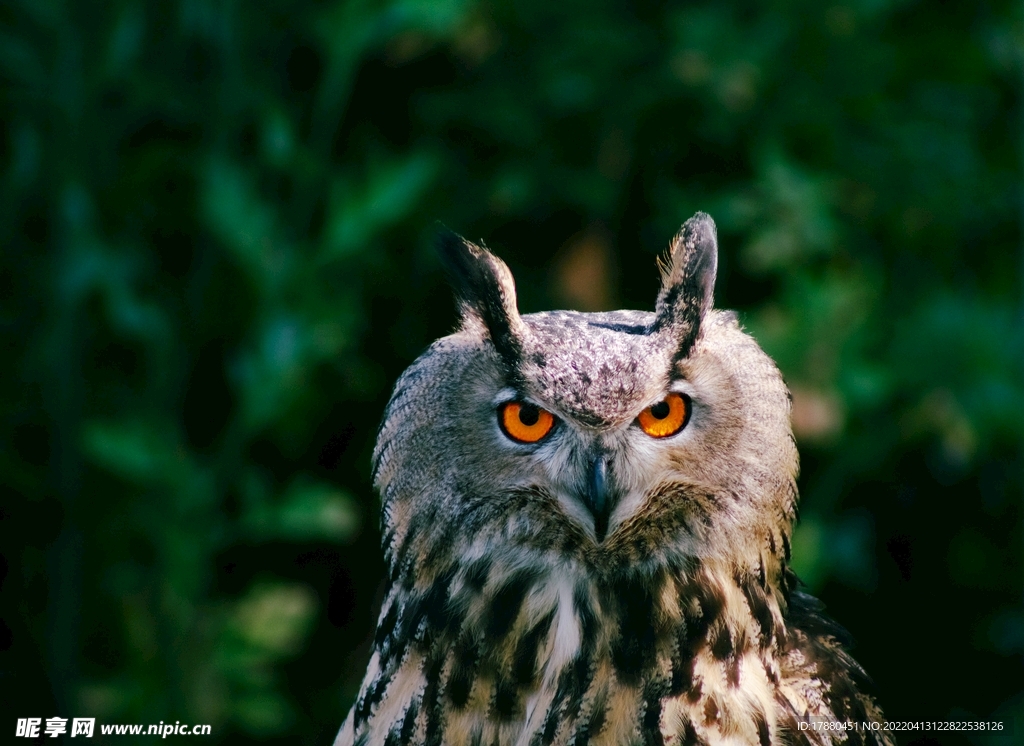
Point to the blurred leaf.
(438, 16)
(791, 218)
(134, 450)
(19, 61)
(245, 223)
(308, 510)
(126, 37)
(25, 158)
(278, 137)
(269, 623)
(263, 714)
(272, 371)
(842, 548)
(359, 212)
(808, 547)
(275, 617)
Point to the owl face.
(663, 433)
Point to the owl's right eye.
(524, 422)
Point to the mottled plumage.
(600, 585)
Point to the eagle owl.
(586, 521)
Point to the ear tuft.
(485, 291)
(688, 282)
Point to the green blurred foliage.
(216, 223)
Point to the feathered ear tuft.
(688, 282)
(485, 291)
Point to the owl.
(586, 523)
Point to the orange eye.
(524, 422)
(666, 417)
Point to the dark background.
(216, 223)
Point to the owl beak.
(598, 495)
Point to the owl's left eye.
(524, 422)
(667, 417)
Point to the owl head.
(624, 437)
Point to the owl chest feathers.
(531, 654)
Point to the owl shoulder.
(820, 681)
